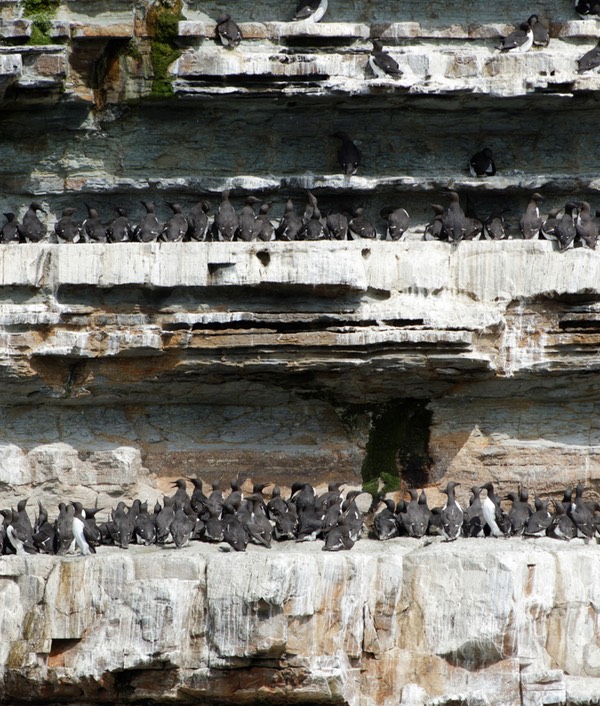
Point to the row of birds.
(530, 33)
(237, 519)
(576, 226)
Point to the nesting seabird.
(92, 228)
(531, 221)
(226, 221)
(494, 227)
(565, 228)
(265, 231)
(548, 227)
(198, 221)
(519, 41)
(175, 229)
(490, 507)
(349, 156)
(473, 519)
(538, 522)
(585, 227)
(382, 64)
(590, 60)
(310, 10)
(454, 222)
(121, 229)
(337, 226)
(434, 230)
(541, 37)
(10, 230)
(384, 524)
(228, 31)
(290, 225)
(248, 228)
(32, 230)
(361, 226)
(397, 221)
(482, 163)
(452, 514)
(587, 9)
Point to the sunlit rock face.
(478, 621)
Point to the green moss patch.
(40, 12)
(163, 27)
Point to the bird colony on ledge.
(577, 226)
(237, 519)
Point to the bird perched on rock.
(454, 222)
(565, 228)
(519, 41)
(198, 222)
(361, 226)
(348, 155)
(585, 227)
(265, 231)
(67, 231)
(120, 230)
(311, 10)
(149, 228)
(32, 230)
(176, 227)
(548, 227)
(228, 31)
(452, 514)
(248, 229)
(541, 37)
(10, 230)
(434, 230)
(587, 9)
(539, 521)
(590, 60)
(482, 163)
(314, 228)
(290, 225)
(473, 519)
(226, 221)
(337, 226)
(382, 64)
(397, 220)
(384, 524)
(92, 228)
(531, 220)
(494, 228)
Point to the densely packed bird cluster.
(236, 519)
(572, 517)
(577, 226)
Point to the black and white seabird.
(494, 227)
(384, 524)
(340, 537)
(180, 497)
(290, 225)
(548, 227)
(228, 31)
(434, 230)
(590, 60)
(518, 515)
(235, 534)
(181, 528)
(249, 227)
(121, 229)
(44, 534)
(226, 221)
(314, 229)
(452, 514)
(361, 226)
(10, 230)
(265, 231)
(310, 10)
(587, 9)
(454, 222)
(415, 520)
(538, 522)
(382, 64)
(531, 221)
(349, 156)
(565, 228)
(176, 227)
(337, 226)
(92, 228)
(490, 507)
(145, 527)
(397, 219)
(32, 230)
(473, 519)
(80, 530)
(519, 41)
(585, 227)
(164, 520)
(482, 163)
(149, 228)
(198, 221)
(541, 37)
(562, 526)
(67, 231)
(64, 528)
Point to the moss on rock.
(163, 26)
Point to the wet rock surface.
(477, 621)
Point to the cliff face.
(477, 622)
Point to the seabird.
(548, 227)
(149, 228)
(494, 227)
(397, 221)
(257, 525)
(434, 230)
(198, 222)
(518, 514)
(565, 228)
(562, 526)
(235, 534)
(248, 228)
(531, 220)
(538, 523)
(164, 520)
(454, 222)
(80, 530)
(482, 163)
(180, 497)
(265, 232)
(314, 228)
(587, 8)
(414, 519)
(519, 41)
(337, 226)
(226, 221)
(590, 60)
(228, 31)
(10, 230)
(44, 534)
(541, 37)
(384, 524)
(198, 499)
(361, 226)
(120, 230)
(582, 516)
(32, 230)
(381, 63)
(290, 225)
(64, 528)
(340, 537)
(176, 227)
(473, 519)
(490, 507)
(145, 527)
(92, 228)
(181, 528)
(452, 514)
(349, 156)
(67, 231)
(585, 227)
(311, 10)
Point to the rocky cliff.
(511, 623)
